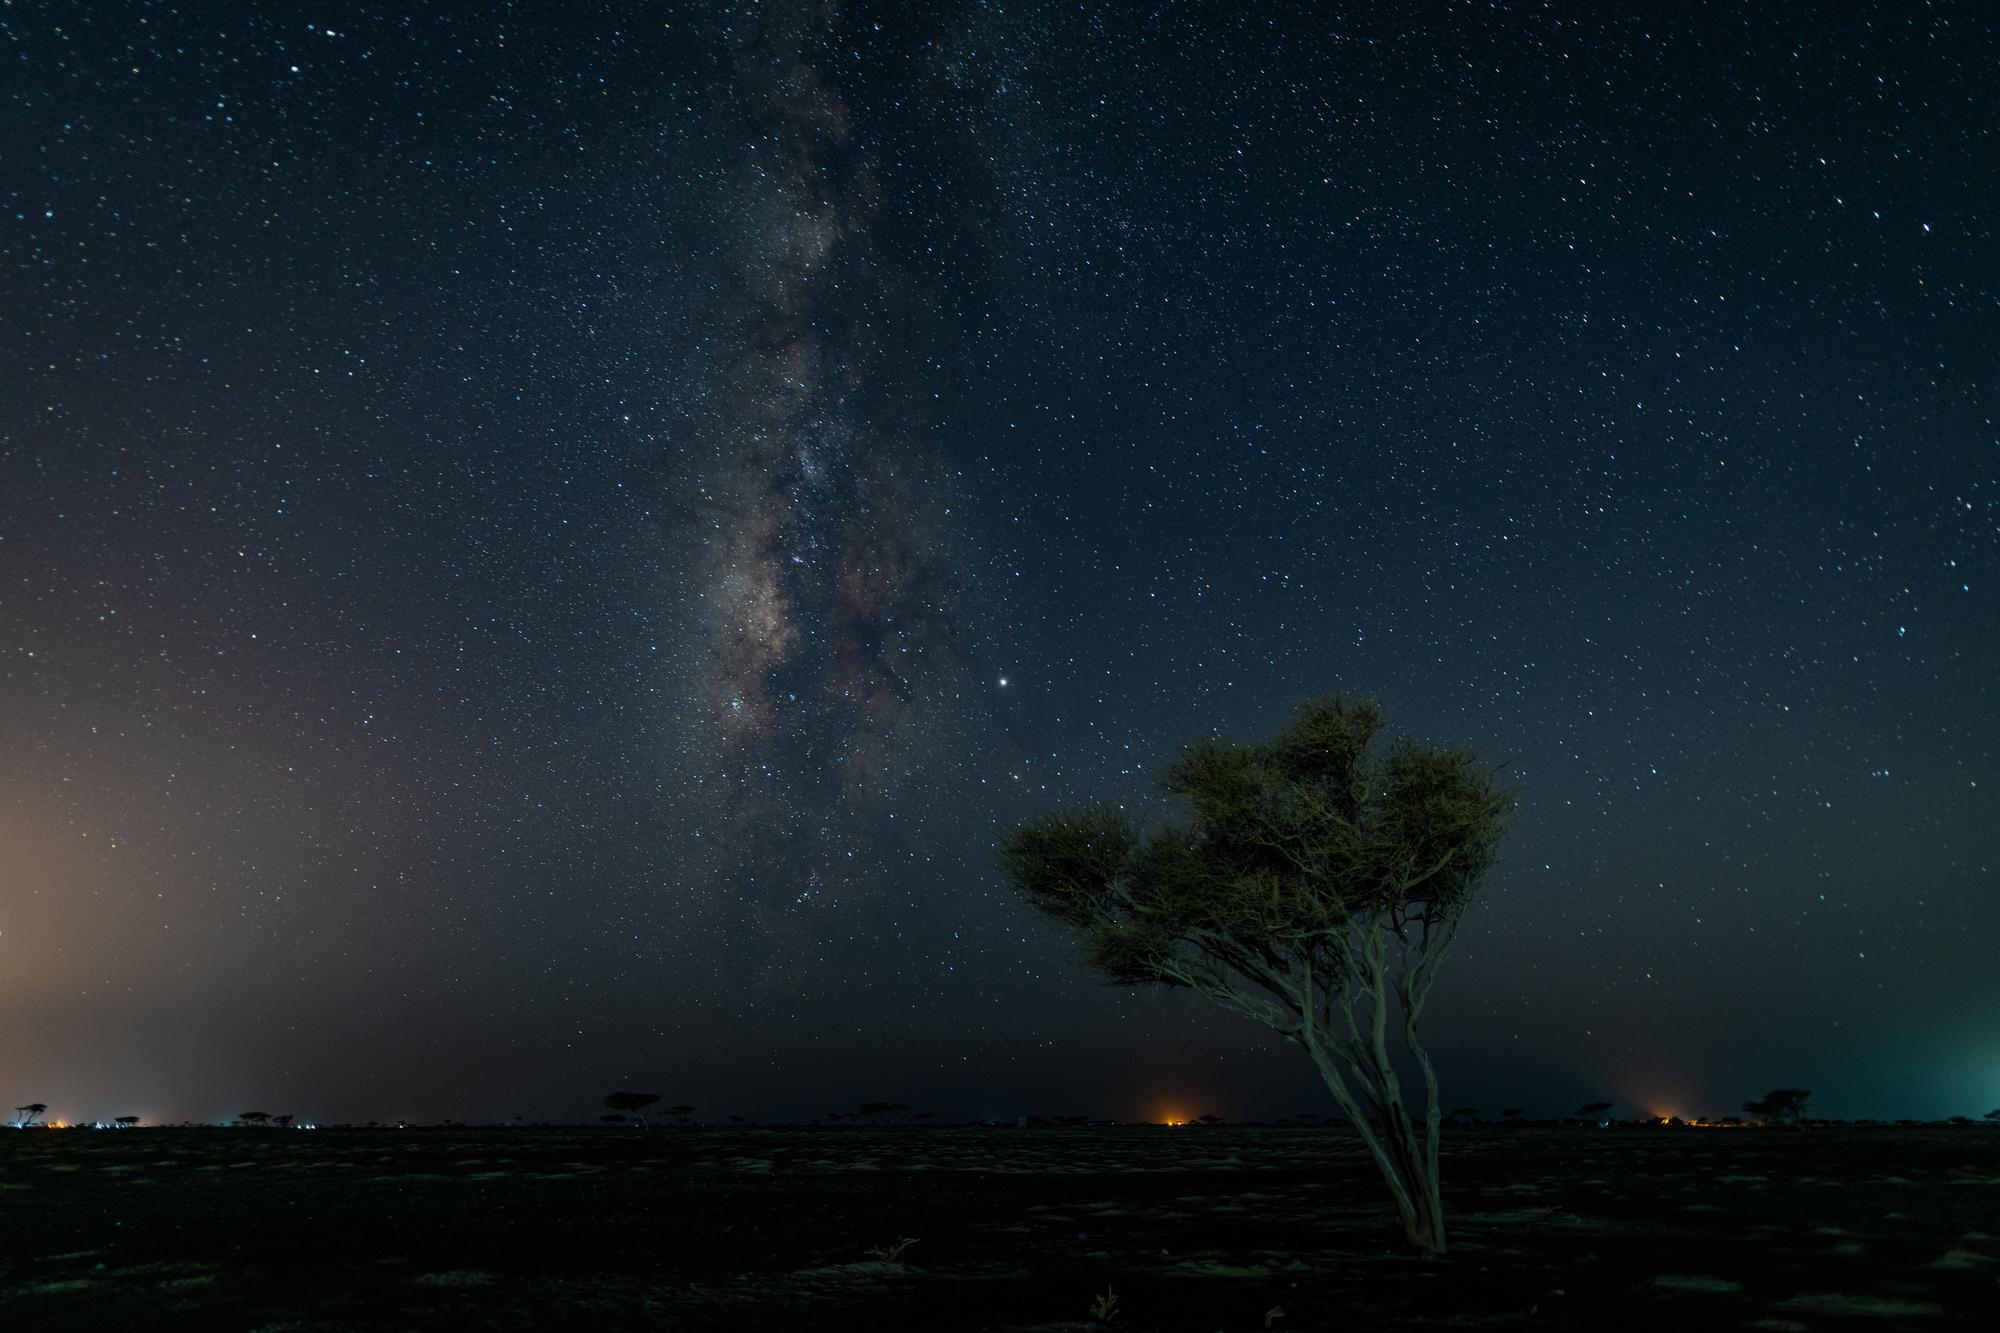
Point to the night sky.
(540, 544)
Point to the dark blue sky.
(539, 545)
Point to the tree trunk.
(1410, 1173)
(1418, 1203)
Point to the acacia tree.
(1315, 887)
(633, 1103)
(1781, 1106)
(25, 1116)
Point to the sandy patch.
(1841, 1303)
(1715, 1286)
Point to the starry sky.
(539, 544)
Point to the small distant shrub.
(1104, 1308)
(892, 1253)
(876, 1112)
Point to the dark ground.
(1194, 1229)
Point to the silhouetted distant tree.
(923, 1115)
(1960, 1120)
(1208, 1120)
(254, 1117)
(1781, 1106)
(1512, 1115)
(1316, 888)
(736, 1120)
(282, 1121)
(1593, 1111)
(1458, 1113)
(25, 1116)
(1994, 1115)
(681, 1113)
(633, 1103)
(126, 1121)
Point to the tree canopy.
(1781, 1106)
(633, 1103)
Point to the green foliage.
(1288, 844)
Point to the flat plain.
(1212, 1228)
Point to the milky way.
(825, 542)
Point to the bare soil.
(1190, 1229)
